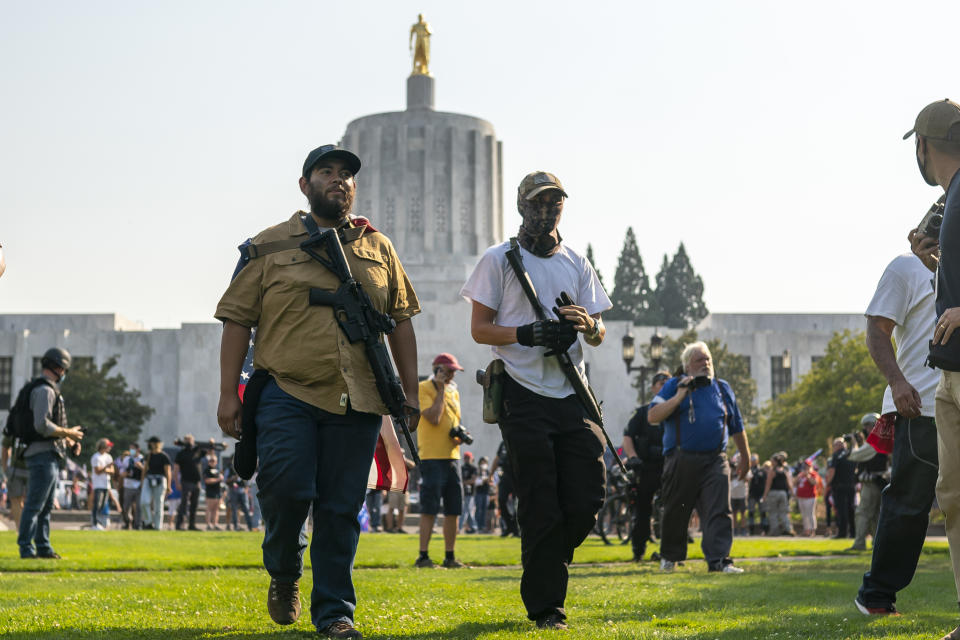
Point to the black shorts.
(440, 481)
(738, 504)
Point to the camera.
(697, 382)
(930, 225)
(203, 446)
(461, 432)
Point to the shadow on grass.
(116, 633)
(462, 630)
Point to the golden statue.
(421, 50)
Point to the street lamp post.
(629, 352)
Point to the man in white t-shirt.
(101, 464)
(555, 451)
(903, 307)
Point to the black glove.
(634, 464)
(556, 336)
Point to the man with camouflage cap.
(937, 131)
(556, 452)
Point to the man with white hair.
(699, 413)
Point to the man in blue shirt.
(937, 130)
(699, 412)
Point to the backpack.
(20, 419)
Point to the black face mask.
(538, 233)
(923, 164)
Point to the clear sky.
(141, 142)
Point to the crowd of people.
(315, 419)
(144, 490)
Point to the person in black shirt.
(508, 514)
(937, 130)
(468, 475)
(643, 446)
(157, 484)
(187, 475)
(842, 480)
(755, 507)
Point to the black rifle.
(580, 386)
(360, 322)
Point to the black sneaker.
(424, 563)
(552, 621)
(452, 563)
(888, 610)
(49, 555)
(283, 601)
(340, 629)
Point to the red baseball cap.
(447, 359)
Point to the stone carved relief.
(441, 214)
(416, 214)
(389, 215)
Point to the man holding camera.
(903, 308)
(318, 412)
(643, 446)
(187, 476)
(45, 454)
(438, 440)
(699, 412)
(937, 131)
(873, 476)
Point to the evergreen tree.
(594, 265)
(103, 404)
(680, 292)
(632, 297)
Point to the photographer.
(643, 446)
(130, 467)
(699, 412)
(187, 476)
(873, 476)
(45, 454)
(438, 439)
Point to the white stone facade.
(177, 370)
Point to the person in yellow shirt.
(439, 455)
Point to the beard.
(329, 208)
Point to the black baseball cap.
(330, 151)
(659, 377)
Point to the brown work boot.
(283, 601)
(340, 629)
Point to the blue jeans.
(240, 502)
(309, 456)
(904, 512)
(35, 518)
(152, 495)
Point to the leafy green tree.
(104, 404)
(594, 265)
(826, 402)
(680, 292)
(632, 297)
(732, 367)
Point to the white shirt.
(100, 480)
(494, 285)
(905, 295)
(125, 465)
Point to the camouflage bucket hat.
(537, 182)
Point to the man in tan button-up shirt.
(319, 414)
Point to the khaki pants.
(948, 448)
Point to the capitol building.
(432, 181)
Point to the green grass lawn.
(176, 585)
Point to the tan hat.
(939, 120)
(537, 182)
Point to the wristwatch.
(595, 333)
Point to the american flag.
(388, 470)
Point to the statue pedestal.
(420, 92)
